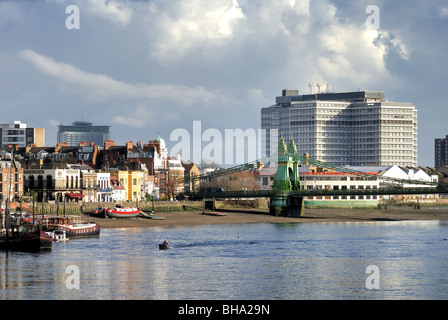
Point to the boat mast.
(9, 195)
(3, 215)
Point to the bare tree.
(175, 182)
(208, 164)
(239, 181)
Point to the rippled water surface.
(254, 261)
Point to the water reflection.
(265, 261)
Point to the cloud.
(10, 15)
(129, 121)
(292, 41)
(140, 117)
(177, 27)
(222, 20)
(444, 12)
(117, 12)
(53, 123)
(395, 43)
(103, 87)
(152, 63)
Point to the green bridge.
(287, 195)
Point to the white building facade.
(104, 188)
(18, 133)
(348, 128)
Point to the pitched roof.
(39, 149)
(188, 165)
(68, 149)
(117, 149)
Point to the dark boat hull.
(100, 213)
(78, 235)
(27, 241)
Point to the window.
(265, 181)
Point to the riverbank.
(232, 216)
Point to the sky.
(161, 67)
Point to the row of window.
(12, 189)
(372, 197)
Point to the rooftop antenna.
(327, 87)
(318, 87)
(311, 87)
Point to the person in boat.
(164, 245)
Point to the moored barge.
(73, 227)
(22, 236)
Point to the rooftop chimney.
(108, 143)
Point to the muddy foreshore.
(234, 216)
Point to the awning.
(75, 195)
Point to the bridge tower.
(286, 180)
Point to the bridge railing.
(439, 189)
(253, 165)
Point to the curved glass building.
(83, 131)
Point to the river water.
(239, 261)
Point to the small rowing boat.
(57, 235)
(164, 245)
(98, 212)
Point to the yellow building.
(131, 181)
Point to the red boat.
(98, 212)
(122, 212)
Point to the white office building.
(347, 128)
(19, 134)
